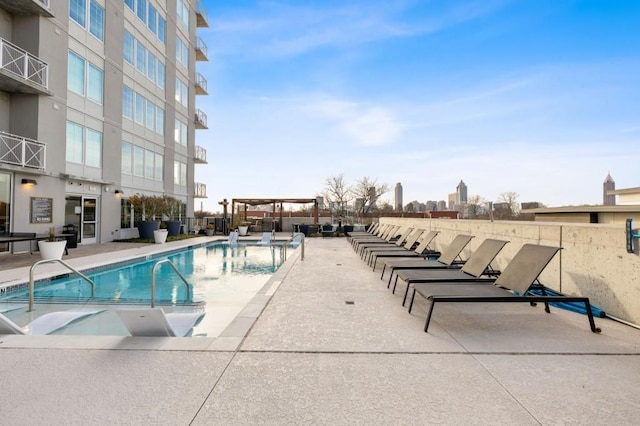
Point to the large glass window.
(141, 10)
(150, 120)
(75, 139)
(162, 29)
(78, 11)
(149, 166)
(128, 49)
(95, 82)
(159, 167)
(138, 161)
(182, 93)
(181, 132)
(182, 14)
(182, 52)
(94, 149)
(159, 121)
(151, 67)
(141, 57)
(75, 73)
(126, 158)
(161, 75)
(153, 19)
(130, 4)
(96, 20)
(127, 102)
(179, 173)
(140, 107)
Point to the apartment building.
(97, 102)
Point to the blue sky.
(538, 97)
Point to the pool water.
(213, 271)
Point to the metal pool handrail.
(153, 280)
(40, 262)
(290, 240)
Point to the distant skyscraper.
(608, 185)
(398, 194)
(461, 193)
(372, 197)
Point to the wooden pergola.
(274, 202)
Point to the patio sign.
(41, 210)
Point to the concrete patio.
(334, 346)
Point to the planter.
(52, 249)
(160, 236)
(210, 232)
(173, 227)
(243, 230)
(146, 228)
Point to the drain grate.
(349, 302)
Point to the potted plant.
(210, 230)
(170, 207)
(148, 206)
(50, 248)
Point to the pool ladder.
(71, 268)
(292, 239)
(153, 280)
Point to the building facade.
(97, 103)
(398, 197)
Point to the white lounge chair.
(153, 322)
(46, 324)
(233, 237)
(267, 237)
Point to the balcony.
(23, 152)
(201, 85)
(27, 7)
(21, 72)
(200, 156)
(202, 21)
(201, 50)
(199, 190)
(201, 119)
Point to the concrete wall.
(593, 261)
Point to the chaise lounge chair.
(386, 234)
(46, 324)
(153, 322)
(450, 257)
(477, 268)
(233, 237)
(422, 250)
(514, 285)
(267, 238)
(407, 242)
(391, 239)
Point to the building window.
(128, 50)
(159, 170)
(130, 4)
(127, 102)
(179, 173)
(181, 132)
(94, 84)
(182, 13)
(150, 120)
(89, 153)
(138, 161)
(141, 10)
(149, 166)
(153, 20)
(161, 75)
(162, 29)
(78, 11)
(94, 149)
(159, 121)
(75, 136)
(75, 73)
(141, 58)
(182, 93)
(96, 21)
(140, 106)
(182, 52)
(126, 158)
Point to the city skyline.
(510, 95)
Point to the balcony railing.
(200, 156)
(23, 65)
(21, 151)
(199, 190)
(201, 50)
(201, 119)
(201, 85)
(201, 16)
(27, 7)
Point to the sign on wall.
(41, 210)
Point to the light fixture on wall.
(106, 189)
(119, 192)
(29, 182)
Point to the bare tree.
(476, 205)
(368, 192)
(337, 194)
(510, 200)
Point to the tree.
(476, 205)
(368, 192)
(510, 201)
(337, 194)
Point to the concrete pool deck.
(312, 358)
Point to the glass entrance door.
(89, 220)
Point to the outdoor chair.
(153, 322)
(407, 242)
(45, 324)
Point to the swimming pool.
(223, 278)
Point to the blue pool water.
(213, 271)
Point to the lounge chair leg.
(395, 283)
(592, 323)
(383, 268)
(375, 260)
(406, 292)
(546, 308)
(413, 296)
(426, 324)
